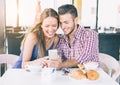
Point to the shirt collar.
(78, 32)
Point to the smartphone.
(52, 54)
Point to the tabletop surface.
(22, 77)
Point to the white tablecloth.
(22, 77)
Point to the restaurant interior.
(16, 16)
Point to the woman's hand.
(42, 61)
(56, 63)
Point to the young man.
(77, 45)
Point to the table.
(22, 77)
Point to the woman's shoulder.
(31, 37)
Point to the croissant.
(77, 74)
(92, 75)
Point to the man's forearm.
(69, 64)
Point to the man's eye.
(54, 26)
(66, 22)
(47, 26)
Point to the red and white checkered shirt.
(84, 47)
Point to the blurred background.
(16, 16)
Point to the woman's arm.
(29, 44)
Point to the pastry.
(81, 67)
(92, 75)
(77, 74)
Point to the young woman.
(39, 40)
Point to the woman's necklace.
(49, 42)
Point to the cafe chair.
(9, 59)
(6, 62)
(110, 65)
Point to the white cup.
(33, 68)
(91, 65)
(53, 54)
(48, 73)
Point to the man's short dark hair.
(68, 8)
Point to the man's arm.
(59, 64)
(68, 64)
(89, 51)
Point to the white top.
(22, 77)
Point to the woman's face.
(49, 26)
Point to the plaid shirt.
(84, 47)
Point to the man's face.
(67, 23)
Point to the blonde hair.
(48, 12)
